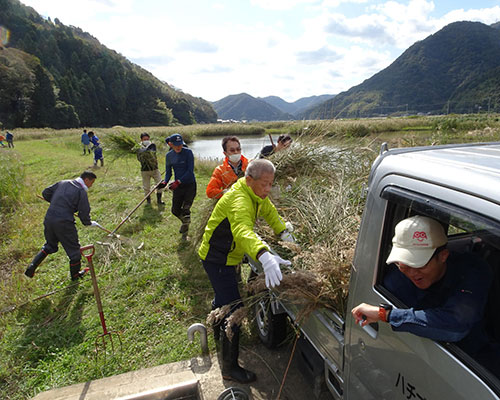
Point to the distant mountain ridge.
(455, 70)
(272, 108)
(243, 107)
(297, 106)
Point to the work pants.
(146, 180)
(63, 232)
(225, 284)
(182, 200)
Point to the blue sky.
(286, 48)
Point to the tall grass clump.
(12, 182)
(321, 194)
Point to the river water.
(211, 148)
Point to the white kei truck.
(459, 185)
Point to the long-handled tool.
(88, 252)
(135, 208)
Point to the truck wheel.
(270, 327)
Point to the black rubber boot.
(217, 326)
(148, 199)
(30, 271)
(75, 272)
(231, 370)
(158, 198)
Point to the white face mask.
(234, 158)
(146, 143)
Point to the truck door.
(385, 364)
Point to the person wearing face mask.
(233, 168)
(149, 167)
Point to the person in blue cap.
(181, 159)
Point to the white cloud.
(316, 46)
(322, 55)
(280, 4)
(197, 46)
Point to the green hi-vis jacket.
(229, 232)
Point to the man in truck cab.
(445, 293)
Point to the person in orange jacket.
(233, 168)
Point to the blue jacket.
(9, 136)
(85, 138)
(450, 310)
(95, 140)
(66, 198)
(183, 165)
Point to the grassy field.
(152, 295)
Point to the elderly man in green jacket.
(228, 236)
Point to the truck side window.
(468, 233)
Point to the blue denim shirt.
(451, 309)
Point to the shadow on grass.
(52, 326)
(151, 215)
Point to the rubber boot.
(158, 199)
(217, 326)
(186, 220)
(30, 271)
(148, 199)
(231, 370)
(74, 270)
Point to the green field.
(153, 295)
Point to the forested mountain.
(59, 76)
(245, 107)
(454, 70)
(298, 106)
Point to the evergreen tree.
(43, 100)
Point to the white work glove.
(286, 236)
(94, 223)
(271, 265)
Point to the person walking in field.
(10, 139)
(2, 138)
(229, 171)
(149, 167)
(85, 141)
(66, 198)
(181, 160)
(98, 155)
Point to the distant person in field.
(93, 138)
(85, 141)
(233, 168)
(149, 167)
(2, 138)
(10, 139)
(181, 159)
(98, 155)
(66, 198)
(283, 142)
